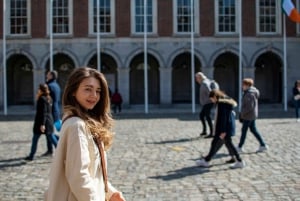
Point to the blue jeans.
(252, 125)
(35, 139)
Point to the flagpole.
(284, 65)
(4, 59)
(192, 57)
(145, 57)
(240, 53)
(98, 37)
(51, 34)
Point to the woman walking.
(224, 129)
(43, 121)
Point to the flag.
(290, 10)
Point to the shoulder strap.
(103, 165)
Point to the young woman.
(76, 172)
(296, 94)
(43, 121)
(224, 129)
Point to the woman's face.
(88, 93)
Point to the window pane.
(139, 16)
(267, 16)
(227, 16)
(104, 17)
(184, 16)
(60, 16)
(18, 17)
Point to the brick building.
(216, 42)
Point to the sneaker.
(239, 149)
(28, 158)
(238, 164)
(47, 153)
(209, 136)
(262, 149)
(232, 160)
(202, 163)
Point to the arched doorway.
(19, 80)
(226, 73)
(64, 65)
(108, 68)
(268, 77)
(182, 79)
(137, 91)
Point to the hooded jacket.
(249, 109)
(225, 116)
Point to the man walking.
(205, 88)
(55, 93)
(249, 113)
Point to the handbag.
(103, 165)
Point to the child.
(76, 172)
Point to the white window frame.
(113, 17)
(217, 19)
(8, 25)
(70, 20)
(278, 19)
(196, 18)
(154, 18)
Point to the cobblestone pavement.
(153, 159)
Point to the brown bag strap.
(103, 165)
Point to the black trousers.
(205, 116)
(217, 143)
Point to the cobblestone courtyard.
(153, 159)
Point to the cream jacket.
(76, 173)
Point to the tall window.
(268, 16)
(61, 15)
(226, 16)
(138, 16)
(106, 16)
(19, 17)
(182, 16)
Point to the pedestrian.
(116, 100)
(43, 121)
(296, 95)
(224, 129)
(78, 171)
(207, 105)
(249, 114)
(55, 93)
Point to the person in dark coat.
(55, 93)
(224, 129)
(296, 96)
(116, 100)
(43, 121)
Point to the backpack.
(214, 85)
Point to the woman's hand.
(117, 196)
(43, 128)
(222, 135)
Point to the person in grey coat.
(249, 113)
(206, 104)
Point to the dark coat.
(43, 116)
(225, 117)
(55, 93)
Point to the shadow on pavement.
(175, 141)
(13, 162)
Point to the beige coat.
(76, 173)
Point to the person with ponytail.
(224, 129)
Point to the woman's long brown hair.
(43, 91)
(98, 119)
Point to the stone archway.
(19, 80)
(182, 78)
(226, 73)
(64, 65)
(137, 91)
(108, 68)
(268, 77)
